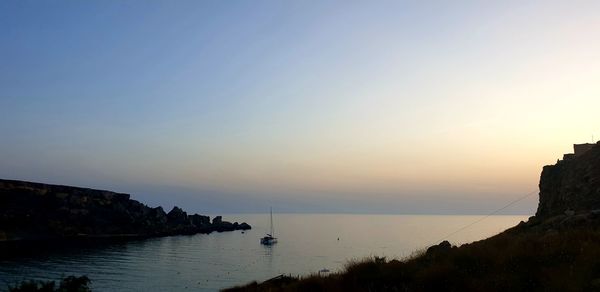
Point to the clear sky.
(447, 107)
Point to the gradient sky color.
(443, 107)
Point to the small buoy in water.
(338, 238)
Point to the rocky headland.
(41, 212)
(558, 249)
(571, 185)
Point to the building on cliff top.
(578, 150)
(582, 148)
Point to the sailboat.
(270, 238)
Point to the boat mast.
(272, 230)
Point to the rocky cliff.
(31, 211)
(571, 185)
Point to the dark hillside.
(35, 211)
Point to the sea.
(307, 244)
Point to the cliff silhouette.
(571, 185)
(40, 212)
(558, 249)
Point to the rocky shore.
(40, 212)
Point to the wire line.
(487, 216)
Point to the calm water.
(307, 244)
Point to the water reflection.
(308, 244)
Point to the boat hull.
(268, 241)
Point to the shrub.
(68, 284)
(527, 260)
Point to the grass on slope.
(516, 260)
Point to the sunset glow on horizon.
(399, 107)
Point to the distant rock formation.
(34, 211)
(571, 185)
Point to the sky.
(399, 107)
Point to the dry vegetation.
(68, 284)
(517, 260)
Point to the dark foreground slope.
(559, 255)
(33, 211)
(557, 250)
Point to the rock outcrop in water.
(35, 211)
(571, 185)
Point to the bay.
(208, 262)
